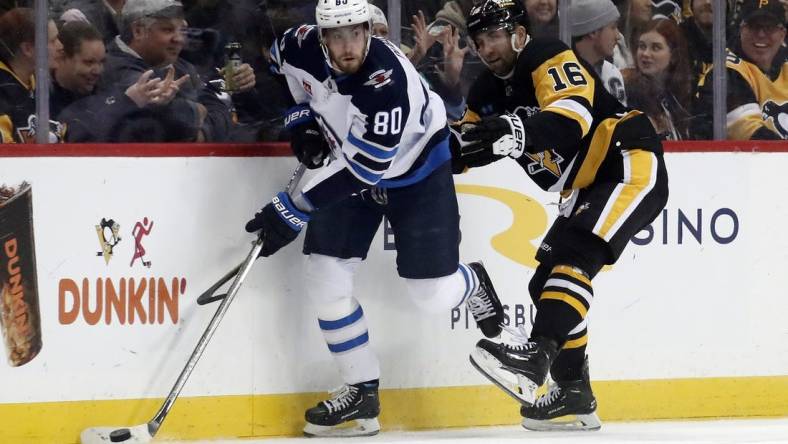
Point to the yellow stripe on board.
(277, 415)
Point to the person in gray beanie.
(594, 27)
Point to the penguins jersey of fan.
(18, 120)
(567, 112)
(757, 102)
(384, 126)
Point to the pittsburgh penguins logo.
(545, 161)
(779, 116)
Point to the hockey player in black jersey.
(541, 106)
(359, 98)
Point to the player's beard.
(349, 66)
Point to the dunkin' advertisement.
(20, 320)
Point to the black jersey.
(566, 111)
(18, 110)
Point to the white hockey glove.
(500, 136)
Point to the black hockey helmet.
(496, 14)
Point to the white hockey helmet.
(338, 13)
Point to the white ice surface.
(750, 431)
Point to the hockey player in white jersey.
(359, 98)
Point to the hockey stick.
(144, 433)
(208, 295)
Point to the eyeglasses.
(768, 28)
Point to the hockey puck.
(120, 435)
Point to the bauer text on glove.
(501, 136)
(307, 142)
(279, 223)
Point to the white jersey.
(384, 126)
(613, 81)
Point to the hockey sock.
(439, 295)
(471, 282)
(568, 366)
(345, 331)
(563, 304)
(374, 383)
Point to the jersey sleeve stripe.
(361, 173)
(371, 164)
(373, 151)
(6, 129)
(742, 122)
(742, 112)
(276, 57)
(573, 110)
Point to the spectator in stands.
(543, 17)
(7, 5)
(380, 25)
(18, 122)
(698, 31)
(669, 9)
(151, 38)
(635, 14)
(594, 28)
(659, 85)
(80, 68)
(757, 77)
(104, 15)
(448, 66)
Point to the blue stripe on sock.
(470, 282)
(342, 322)
(347, 345)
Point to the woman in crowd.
(659, 84)
(543, 17)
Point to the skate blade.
(569, 423)
(363, 427)
(523, 390)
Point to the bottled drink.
(232, 63)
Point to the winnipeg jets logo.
(545, 161)
(302, 32)
(779, 116)
(379, 78)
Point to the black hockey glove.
(498, 136)
(279, 223)
(466, 155)
(307, 142)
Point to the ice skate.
(518, 369)
(334, 417)
(484, 303)
(567, 406)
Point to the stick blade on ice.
(106, 435)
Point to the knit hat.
(137, 9)
(450, 14)
(378, 16)
(587, 16)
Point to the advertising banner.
(124, 245)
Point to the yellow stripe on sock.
(573, 272)
(563, 297)
(576, 343)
